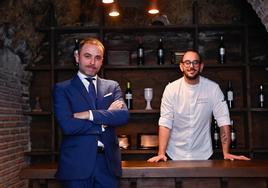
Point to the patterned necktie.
(92, 90)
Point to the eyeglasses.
(187, 63)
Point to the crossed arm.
(86, 114)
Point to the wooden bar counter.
(172, 174)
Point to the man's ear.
(181, 67)
(76, 56)
(201, 67)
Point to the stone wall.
(14, 100)
(261, 8)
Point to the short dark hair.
(195, 51)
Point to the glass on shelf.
(148, 96)
(37, 105)
(124, 141)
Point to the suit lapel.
(77, 83)
(100, 92)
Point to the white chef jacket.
(187, 110)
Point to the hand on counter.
(232, 157)
(157, 158)
(227, 156)
(225, 140)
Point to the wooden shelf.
(141, 67)
(260, 151)
(154, 111)
(43, 113)
(123, 151)
(217, 65)
(238, 110)
(71, 29)
(41, 152)
(259, 109)
(265, 66)
(221, 26)
(166, 28)
(235, 151)
(67, 66)
(38, 67)
(139, 151)
(170, 66)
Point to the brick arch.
(261, 8)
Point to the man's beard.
(192, 77)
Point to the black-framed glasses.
(187, 63)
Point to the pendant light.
(153, 8)
(113, 10)
(107, 1)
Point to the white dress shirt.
(187, 110)
(86, 84)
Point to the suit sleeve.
(64, 116)
(112, 117)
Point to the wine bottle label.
(128, 96)
(233, 136)
(261, 98)
(160, 52)
(216, 136)
(140, 52)
(222, 51)
(230, 96)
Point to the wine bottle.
(261, 97)
(160, 53)
(216, 136)
(230, 95)
(140, 53)
(75, 50)
(128, 96)
(222, 51)
(233, 135)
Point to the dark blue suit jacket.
(79, 141)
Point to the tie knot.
(90, 79)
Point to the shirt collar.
(83, 76)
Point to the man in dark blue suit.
(88, 109)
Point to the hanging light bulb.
(153, 8)
(114, 10)
(107, 1)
